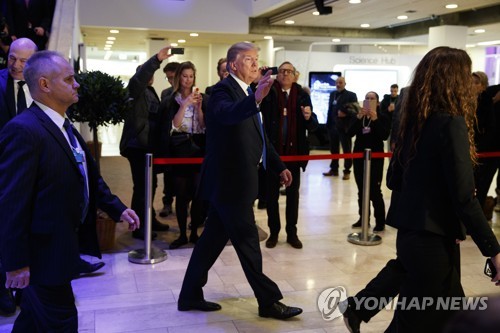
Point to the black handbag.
(182, 145)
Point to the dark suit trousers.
(376, 174)
(225, 222)
(484, 174)
(385, 285)
(47, 309)
(292, 201)
(137, 160)
(336, 139)
(432, 263)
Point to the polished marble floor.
(127, 297)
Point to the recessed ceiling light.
(111, 38)
(173, 44)
(181, 41)
(336, 40)
(268, 37)
(470, 45)
(492, 42)
(402, 17)
(107, 48)
(354, 1)
(110, 42)
(451, 6)
(316, 13)
(289, 22)
(193, 34)
(365, 25)
(479, 31)
(114, 31)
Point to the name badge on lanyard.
(79, 156)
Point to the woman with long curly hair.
(433, 201)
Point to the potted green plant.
(103, 100)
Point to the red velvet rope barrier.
(297, 158)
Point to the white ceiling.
(377, 13)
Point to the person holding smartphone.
(184, 110)
(370, 128)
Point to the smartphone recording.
(177, 50)
(274, 70)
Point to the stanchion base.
(356, 238)
(139, 256)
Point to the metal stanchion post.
(150, 254)
(365, 238)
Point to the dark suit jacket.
(38, 14)
(7, 100)
(436, 192)
(234, 146)
(337, 102)
(41, 195)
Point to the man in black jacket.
(288, 115)
(141, 133)
(338, 116)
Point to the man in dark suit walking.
(14, 94)
(236, 144)
(50, 188)
(14, 97)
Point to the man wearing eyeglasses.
(288, 115)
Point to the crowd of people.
(241, 126)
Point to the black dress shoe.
(85, 267)
(193, 237)
(139, 234)
(166, 211)
(351, 320)
(279, 311)
(202, 305)
(7, 303)
(358, 224)
(294, 241)
(158, 226)
(331, 172)
(178, 242)
(272, 241)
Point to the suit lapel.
(53, 130)
(11, 101)
(240, 94)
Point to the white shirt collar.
(242, 84)
(53, 115)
